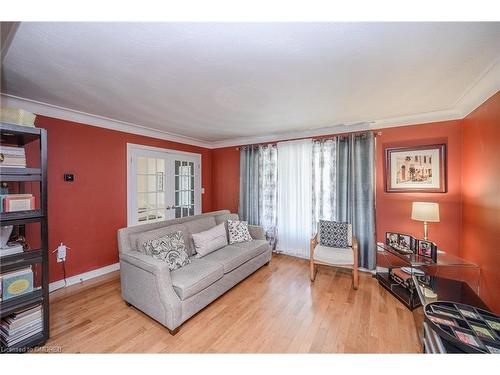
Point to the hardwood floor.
(276, 310)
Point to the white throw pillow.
(210, 240)
(238, 231)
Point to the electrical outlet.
(61, 253)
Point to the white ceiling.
(214, 82)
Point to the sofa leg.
(174, 332)
(355, 278)
(128, 304)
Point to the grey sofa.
(172, 297)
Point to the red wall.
(86, 213)
(394, 209)
(481, 196)
(226, 178)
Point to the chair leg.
(313, 270)
(355, 278)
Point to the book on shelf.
(11, 156)
(11, 249)
(21, 325)
(17, 202)
(16, 283)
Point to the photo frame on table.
(419, 169)
(426, 249)
(401, 242)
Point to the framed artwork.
(419, 169)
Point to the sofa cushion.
(332, 255)
(196, 276)
(197, 226)
(210, 240)
(224, 217)
(238, 231)
(233, 256)
(143, 237)
(170, 249)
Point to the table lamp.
(426, 212)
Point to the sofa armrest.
(146, 262)
(257, 232)
(146, 283)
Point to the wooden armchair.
(337, 257)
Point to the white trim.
(83, 277)
(84, 118)
(485, 86)
(131, 179)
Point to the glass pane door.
(184, 188)
(162, 185)
(150, 189)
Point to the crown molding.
(54, 111)
(420, 118)
(485, 86)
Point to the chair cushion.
(233, 256)
(333, 234)
(196, 276)
(210, 240)
(333, 255)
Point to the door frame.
(198, 189)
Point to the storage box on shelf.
(24, 304)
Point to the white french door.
(162, 184)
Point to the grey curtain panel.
(268, 180)
(249, 184)
(324, 180)
(355, 192)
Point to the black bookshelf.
(14, 135)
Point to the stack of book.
(17, 202)
(11, 156)
(21, 325)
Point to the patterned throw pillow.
(333, 234)
(169, 248)
(238, 231)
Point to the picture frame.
(443, 311)
(466, 336)
(482, 330)
(444, 321)
(427, 249)
(418, 169)
(403, 243)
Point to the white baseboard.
(83, 276)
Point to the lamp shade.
(425, 211)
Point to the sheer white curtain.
(294, 204)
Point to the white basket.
(17, 116)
